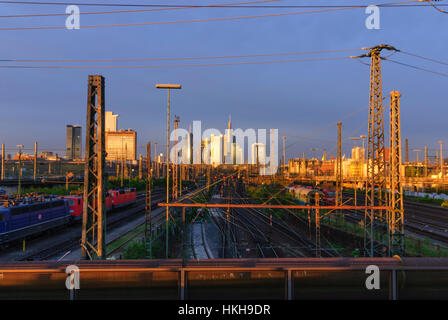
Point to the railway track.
(272, 236)
(239, 225)
(423, 219)
(114, 220)
(298, 245)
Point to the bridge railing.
(307, 278)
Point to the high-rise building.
(237, 154)
(227, 148)
(121, 145)
(73, 142)
(187, 149)
(258, 153)
(111, 121)
(216, 149)
(205, 146)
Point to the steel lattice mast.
(396, 211)
(175, 165)
(93, 219)
(339, 168)
(148, 222)
(376, 162)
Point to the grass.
(426, 199)
(417, 247)
(120, 241)
(136, 248)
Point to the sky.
(304, 100)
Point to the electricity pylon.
(376, 177)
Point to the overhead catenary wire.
(158, 8)
(415, 67)
(424, 58)
(184, 58)
(195, 20)
(240, 5)
(43, 3)
(436, 7)
(173, 65)
(326, 127)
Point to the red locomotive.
(114, 199)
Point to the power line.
(437, 7)
(325, 127)
(222, 5)
(392, 5)
(195, 20)
(172, 66)
(417, 68)
(182, 58)
(424, 58)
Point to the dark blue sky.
(297, 98)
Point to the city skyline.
(283, 93)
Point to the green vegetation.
(425, 199)
(115, 183)
(416, 247)
(135, 250)
(140, 184)
(270, 194)
(60, 190)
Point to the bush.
(135, 250)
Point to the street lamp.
(20, 146)
(168, 86)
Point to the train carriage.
(24, 220)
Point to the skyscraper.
(111, 121)
(259, 153)
(216, 149)
(73, 142)
(227, 148)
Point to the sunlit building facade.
(121, 145)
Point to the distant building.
(205, 147)
(121, 145)
(161, 158)
(111, 121)
(258, 153)
(237, 154)
(73, 142)
(187, 149)
(216, 149)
